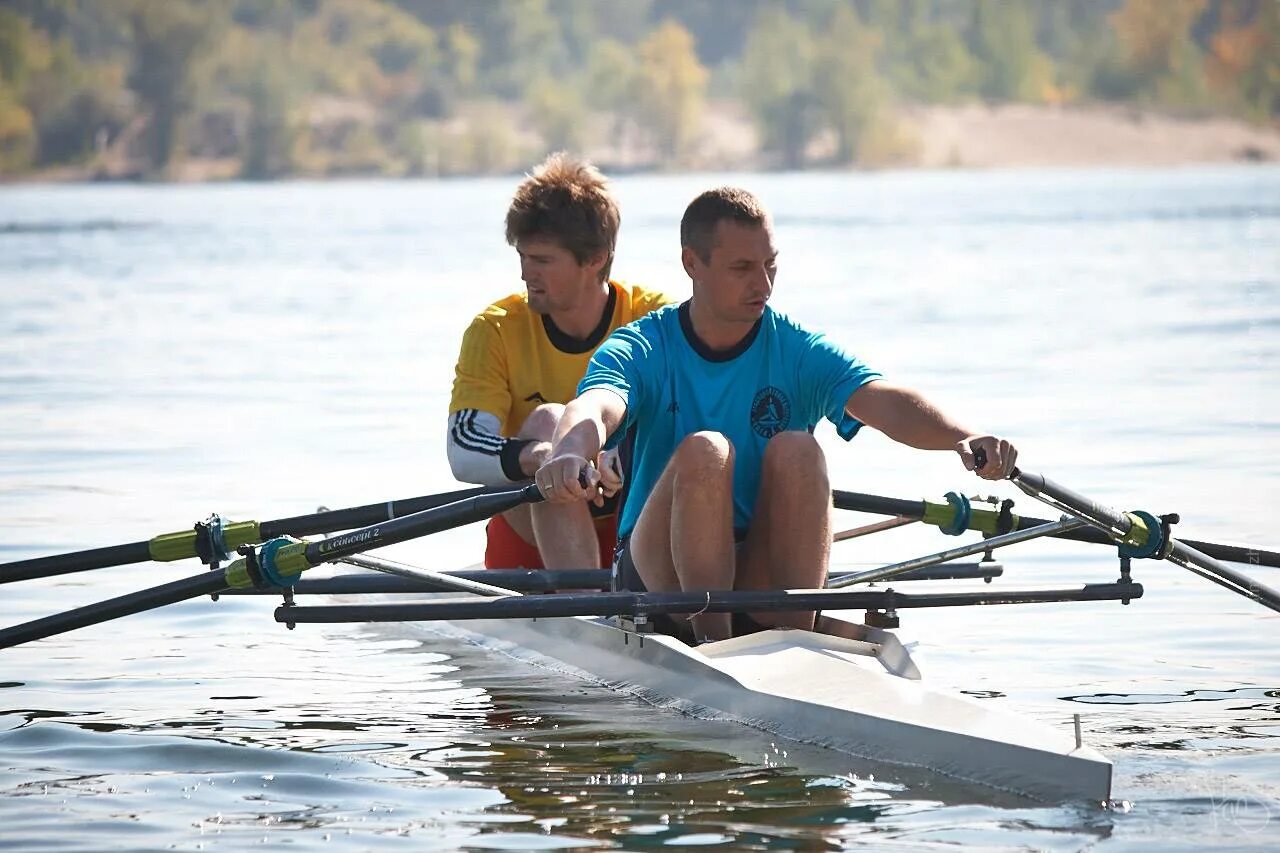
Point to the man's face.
(553, 277)
(737, 278)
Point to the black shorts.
(627, 579)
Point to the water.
(254, 350)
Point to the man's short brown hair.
(698, 226)
(568, 201)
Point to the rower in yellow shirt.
(522, 357)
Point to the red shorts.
(505, 549)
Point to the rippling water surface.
(258, 350)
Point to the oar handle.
(980, 462)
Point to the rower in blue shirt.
(716, 401)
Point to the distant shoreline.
(970, 136)
(1011, 136)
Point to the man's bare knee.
(704, 453)
(794, 447)
(541, 423)
(795, 453)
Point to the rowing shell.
(851, 688)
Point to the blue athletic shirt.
(780, 377)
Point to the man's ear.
(689, 258)
(597, 262)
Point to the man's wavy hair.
(698, 226)
(568, 201)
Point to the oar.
(277, 563)
(947, 515)
(1142, 534)
(205, 583)
(222, 538)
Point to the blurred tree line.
(269, 88)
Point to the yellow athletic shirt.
(513, 360)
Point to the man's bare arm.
(907, 417)
(587, 422)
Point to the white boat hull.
(858, 693)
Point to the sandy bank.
(1022, 135)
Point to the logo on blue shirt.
(770, 412)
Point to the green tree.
(1002, 38)
(611, 75)
(940, 68)
(81, 108)
(273, 132)
(1259, 76)
(462, 53)
(17, 127)
(1158, 48)
(778, 83)
(15, 34)
(17, 134)
(524, 43)
(610, 85)
(558, 115)
(849, 87)
(671, 89)
(169, 39)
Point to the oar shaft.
(331, 521)
(880, 505)
(180, 546)
(79, 561)
(280, 561)
(239, 573)
(124, 605)
(1118, 526)
(419, 524)
(511, 580)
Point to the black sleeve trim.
(510, 457)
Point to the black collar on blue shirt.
(700, 346)
(574, 346)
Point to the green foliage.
(455, 86)
(671, 88)
(169, 40)
(83, 108)
(273, 136)
(1011, 66)
(558, 115)
(1163, 61)
(937, 67)
(15, 33)
(1258, 79)
(525, 44)
(462, 53)
(849, 88)
(611, 76)
(778, 84)
(17, 133)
